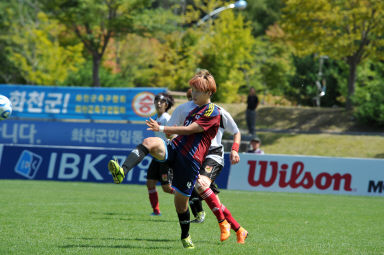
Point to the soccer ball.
(5, 107)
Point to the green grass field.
(39, 217)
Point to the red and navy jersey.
(196, 146)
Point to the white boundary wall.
(308, 174)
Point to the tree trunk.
(95, 70)
(352, 62)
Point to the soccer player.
(156, 170)
(189, 94)
(185, 153)
(211, 168)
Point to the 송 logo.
(143, 104)
(28, 164)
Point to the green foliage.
(156, 22)
(137, 67)
(8, 71)
(262, 14)
(369, 96)
(343, 30)
(338, 29)
(222, 45)
(179, 60)
(32, 51)
(95, 22)
(107, 78)
(157, 43)
(303, 82)
(37, 52)
(273, 62)
(226, 53)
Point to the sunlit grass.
(38, 217)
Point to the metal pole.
(238, 5)
(320, 87)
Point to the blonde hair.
(203, 81)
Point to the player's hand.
(152, 125)
(234, 157)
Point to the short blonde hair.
(203, 81)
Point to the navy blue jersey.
(196, 146)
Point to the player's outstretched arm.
(178, 130)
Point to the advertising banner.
(63, 163)
(324, 175)
(72, 134)
(271, 173)
(132, 104)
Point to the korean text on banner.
(132, 104)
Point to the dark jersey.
(196, 146)
(252, 102)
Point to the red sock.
(213, 203)
(228, 216)
(154, 199)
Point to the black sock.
(193, 208)
(184, 223)
(198, 206)
(134, 158)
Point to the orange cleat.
(225, 229)
(242, 234)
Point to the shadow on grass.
(380, 155)
(121, 239)
(110, 213)
(118, 246)
(121, 246)
(131, 217)
(110, 246)
(153, 220)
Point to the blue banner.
(62, 163)
(72, 134)
(132, 104)
(65, 164)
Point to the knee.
(181, 202)
(151, 184)
(199, 188)
(148, 143)
(167, 188)
(202, 184)
(181, 210)
(155, 146)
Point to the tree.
(222, 45)
(349, 30)
(34, 48)
(262, 14)
(9, 73)
(95, 22)
(369, 96)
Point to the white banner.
(325, 175)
